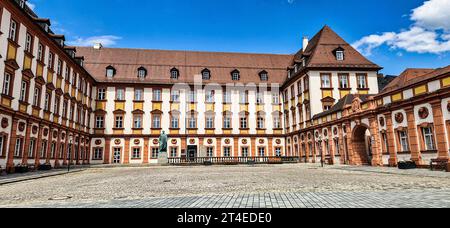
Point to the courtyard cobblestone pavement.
(277, 186)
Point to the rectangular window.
(67, 73)
(404, 141)
(306, 83)
(99, 122)
(156, 122)
(278, 152)
(175, 96)
(59, 67)
(343, 81)
(56, 106)
(23, 91)
(43, 151)
(101, 94)
(244, 152)
(227, 97)
(98, 154)
(31, 148)
(243, 98)
(243, 123)
(2, 146)
(299, 87)
(155, 152)
(210, 96)
(326, 81)
(29, 43)
(47, 102)
(209, 122)
(157, 95)
(362, 81)
(260, 123)
(40, 56)
(137, 122)
(174, 122)
(18, 148)
(37, 97)
(138, 95)
(173, 152)
(7, 84)
(275, 98)
(52, 150)
(339, 55)
(428, 138)
(259, 98)
(192, 98)
(210, 152)
(262, 152)
(227, 152)
(227, 122)
(192, 122)
(276, 122)
(119, 122)
(64, 110)
(136, 153)
(50, 60)
(120, 94)
(13, 31)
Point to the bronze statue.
(163, 143)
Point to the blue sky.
(388, 32)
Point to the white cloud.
(106, 41)
(430, 32)
(433, 14)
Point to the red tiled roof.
(320, 52)
(189, 63)
(412, 76)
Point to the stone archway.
(362, 146)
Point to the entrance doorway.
(192, 152)
(117, 155)
(362, 146)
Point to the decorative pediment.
(12, 64)
(356, 104)
(27, 74)
(119, 112)
(39, 80)
(138, 112)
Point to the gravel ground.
(96, 185)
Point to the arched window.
(110, 71)
(174, 73)
(206, 74)
(235, 75)
(264, 76)
(142, 73)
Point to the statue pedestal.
(163, 158)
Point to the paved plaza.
(266, 186)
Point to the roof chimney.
(305, 42)
(98, 46)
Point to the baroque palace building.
(96, 105)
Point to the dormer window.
(340, 55)
(142, 73)
(264, 76)
(296, 68)
(304, 62)
(174, 74)
(235, 75)
(206, 74)
(110, 72)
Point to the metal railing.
(232, 160)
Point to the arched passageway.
(362, 146)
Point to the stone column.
(49, 145)
(271, 152)
(27, 143)
(126, 153)
(146, 158)
(38, 146)
(393, 159)
(341, 145)
(219, 147)
(349, 143)
(66, 148)
(439, 128)
(331, 144)
(377, 154)
(88, 151)
(253, 149)
(107, 158)
(57, 149)
(79, 150)
(12, 143)
(413, 138)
